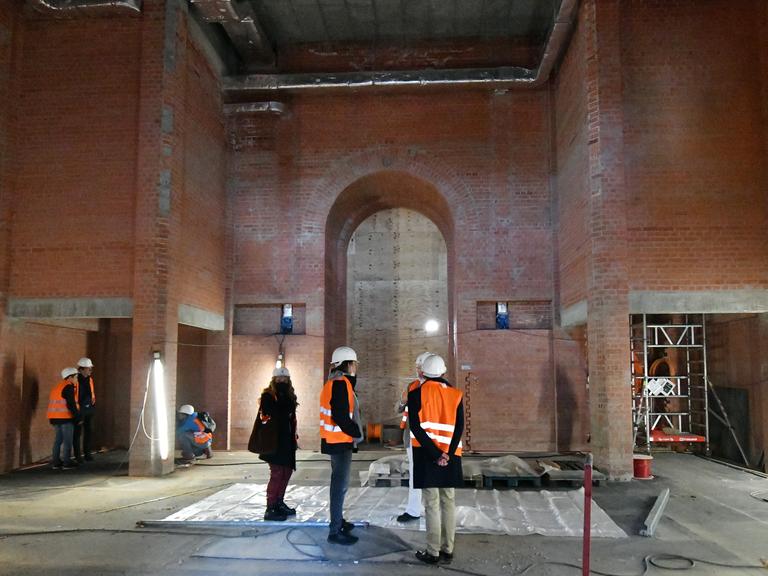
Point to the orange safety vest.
(77, 391)
(57, 406)
(329, 431)
(411, 387)
(438, 414)
(201, 436)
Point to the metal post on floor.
(587, 532)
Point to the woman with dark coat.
(278, 402)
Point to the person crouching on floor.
(193, 434)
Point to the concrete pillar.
(157, 223)
(762, 389)
(608, 305)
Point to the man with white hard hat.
(86, 398)
(340, 432)
(63, 414)
(413, 507)
(436, 416)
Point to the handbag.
(263, 438)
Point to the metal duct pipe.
(254, 108)
(69, 8)
(496, 77)
(242, 27)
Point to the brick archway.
(360, 199)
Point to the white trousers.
(414, 494)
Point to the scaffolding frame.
(650, 342)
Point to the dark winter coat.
(283, 411)
(426, 472)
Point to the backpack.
(208, 422)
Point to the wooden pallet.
(475, 481)
(510, 481)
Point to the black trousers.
(83, 431)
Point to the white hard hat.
(84, 363)
(187, 409)
(67, 372)
(434, 366)
(277, 372)
(341, 354)
(421, 357)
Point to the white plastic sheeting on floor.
(477, 511)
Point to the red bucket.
(642, 466)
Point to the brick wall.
(76, 170)
(202, 259)
(571, 171)
(46, 350)
(485, 155)
(695, 159)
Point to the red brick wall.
(76, 170)
(736, 357)
(202, 244)
(695, 157)
(486, 154)
(47, 350)
(253, 359)
(571, 170)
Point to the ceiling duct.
(242, 27)
(74, 8)
(494, 77)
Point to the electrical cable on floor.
(295, 546)
(245, 533)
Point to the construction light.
(161, 408)
(279, 363)
(431, 326)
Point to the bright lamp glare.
(431, 326)
(161, 410)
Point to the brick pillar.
(608, 306)
(12, 412)
(218, 356)
(158, 221)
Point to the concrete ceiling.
(291, 22)
(299, 35)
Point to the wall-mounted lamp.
(161, 408)
(502, 316)
(286, 320)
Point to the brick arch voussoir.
(347, 170)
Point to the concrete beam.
(199, 318)
(698, 302)
(70, 307)
(574, 315)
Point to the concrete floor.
(84, 521)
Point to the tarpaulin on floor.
(477, 511)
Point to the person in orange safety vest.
(64, 414)
(413, 506)
(436, 416)
(340, 432)
(192, 433)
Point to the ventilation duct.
(74, 8)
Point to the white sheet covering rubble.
(397, 465)
(477, 511)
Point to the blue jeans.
(62, 443)
(340, 466)
(189, 447)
